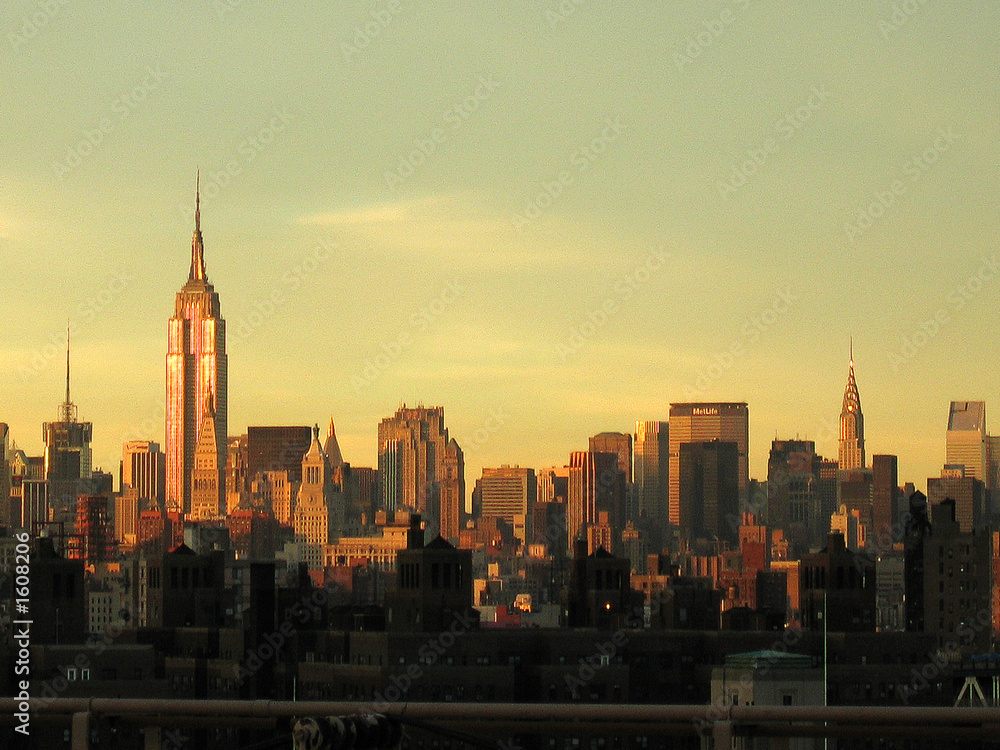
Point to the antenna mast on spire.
(197, 272)
(67, 412)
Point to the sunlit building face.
(196, 377)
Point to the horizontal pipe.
(974, 718)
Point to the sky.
(550, 217)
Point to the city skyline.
(521, 234)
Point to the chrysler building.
(852, 425)
(196, 382)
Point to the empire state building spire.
(197, 272)
(852, 424)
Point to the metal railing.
(722, 724)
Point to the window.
(71, 673)
(84, 674)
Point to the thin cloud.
(459, 229)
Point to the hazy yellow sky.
(552, 218)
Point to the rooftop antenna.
(67, 412)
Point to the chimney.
(415, 536)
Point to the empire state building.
(197, 391)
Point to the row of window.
(443, 575)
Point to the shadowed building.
(801, 495)
(68, 456)
(839, 584)
(954, 571)
(703, 422)
(93, 540)
(433, 586)
(618, 443)
(709, 487)
(277, 449)
(650, 462)
(183, 589)
(600, 591)
(885, 492)
(58, 598)
(595, 484)
(967, 493)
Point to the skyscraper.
(423, 470)
(596, 484)
(966, 443)
(197, 372)
(144, 470)
(709, 490)
(68, 455)
(319, 510)
(699, 423)
(5, 475)
(506, 492)
(852, 425)
(651, 459)
(619, 443)
(277, 449)
(885, 492)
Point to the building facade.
(422, 469)
(703, 422)
(506, 492)
(197, 375)
(144, 469)
(852, 426)
(650, 468)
